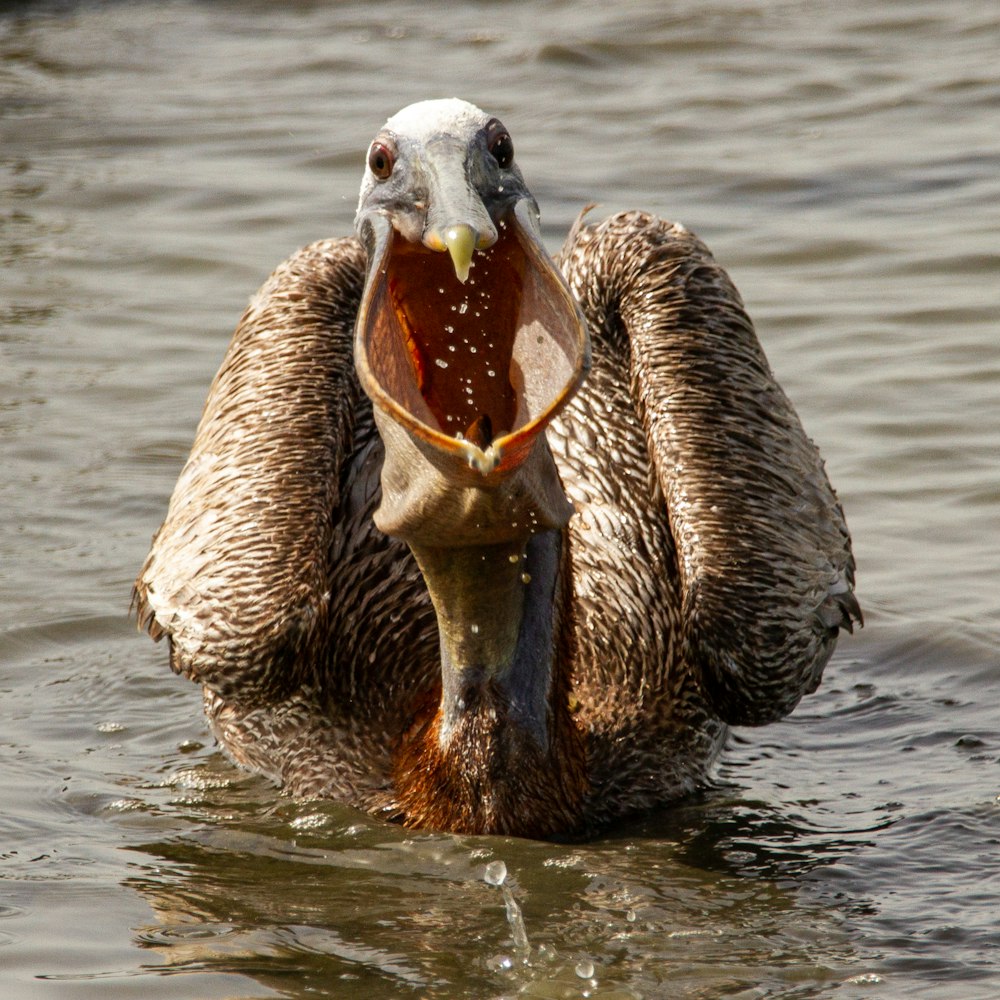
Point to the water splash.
(495, 873)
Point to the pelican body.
(476, 541)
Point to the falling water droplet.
(441, 363)
(475, 631)
(496, 871)
(463, 308)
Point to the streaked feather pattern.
(711, 565)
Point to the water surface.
(842, 160)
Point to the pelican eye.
(499, 143)
(381, 160)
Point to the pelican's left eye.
(381, 160)
(499, 143)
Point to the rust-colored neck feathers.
(491, 777)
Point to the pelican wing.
(763, 551)
(238, 574)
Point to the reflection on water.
(635, 901)
(156, 161)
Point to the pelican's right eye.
(381, 160)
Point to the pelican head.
(468, 341)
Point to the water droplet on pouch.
(585, 969)
(463, 308)
(474, 629)
(525, 578)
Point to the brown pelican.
(436, 556)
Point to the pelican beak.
(466, 356)
(460, 241)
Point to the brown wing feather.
(764, 555)
(238, 576)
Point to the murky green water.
(843, 161)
